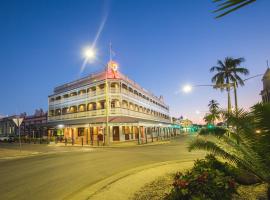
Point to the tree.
(228, 6)
(228, 72)
(213, 106)
(247, 147)
(214, 114)
(208, 118)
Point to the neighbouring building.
(185, 123)
(78, 111)
(266, 86)
(33, 126)
(7, 126)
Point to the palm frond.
(200, 144)
(261, 113)
(239, 155)
(216, 131)
(229, 6)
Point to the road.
(61, 175)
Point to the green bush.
(209, 179)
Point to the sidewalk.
(115, 144)
(12, 151)
(124, 185)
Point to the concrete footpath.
(124, 185)
(12, 151)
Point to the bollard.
(92, 139)
(82, 142)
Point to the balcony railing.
(102, 113)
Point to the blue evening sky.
(161, 44)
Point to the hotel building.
(78, 110)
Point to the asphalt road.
(59, 175)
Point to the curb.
(125, 184)
(120, 145)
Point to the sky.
(161, 44)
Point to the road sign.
(17, 121)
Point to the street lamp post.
(188, 88)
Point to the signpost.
(18, 122)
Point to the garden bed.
(158, 189)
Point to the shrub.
(208, 179)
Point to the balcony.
(112, 112)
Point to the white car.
(4, 138)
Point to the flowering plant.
(203, 181)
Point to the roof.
(99, 77)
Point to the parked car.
(11, 139)
(4, 138)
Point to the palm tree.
(228, 6)
(228, 72)
(247, 147)
(208, 118)
(214, 112)
(213, 106)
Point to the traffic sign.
(17, 121)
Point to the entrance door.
(116, 136)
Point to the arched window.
(65, 110)
(58, 98)
(81, 108)
(91, 106)
(73, 109)
(81, 92)
(124, 104)
(58, 112)
(65, 96)
(73, 94)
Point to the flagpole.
(107, 96)
(110, 51)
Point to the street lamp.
(189, 88)
(89, 53)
